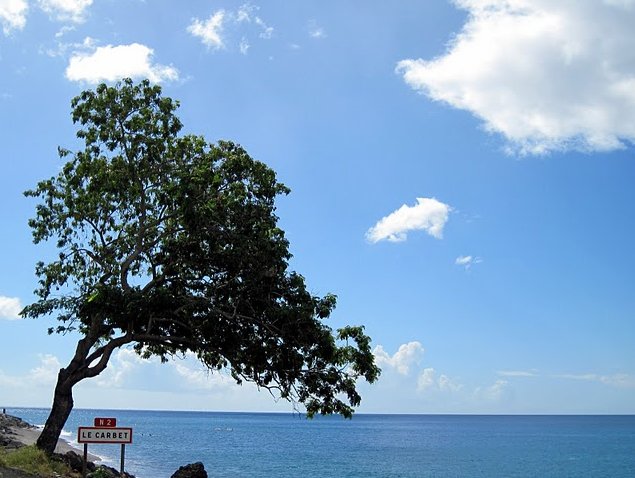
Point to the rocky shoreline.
(16, 433)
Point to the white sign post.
(104, 435)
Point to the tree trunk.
(61, 409)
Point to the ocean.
(288, 445)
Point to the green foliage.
(33, 460)
(171, 244)
(100, 472)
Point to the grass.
(33, 460)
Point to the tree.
(170, 245)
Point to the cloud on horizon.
(407, 356)
(619, 380)
(429, 215)
(549, 75)
(112, 63)
(429, 381)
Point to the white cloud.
(10, 308)
(43, 375)
(428, 214)
(123, 364)
(64, 30)
(408, 355)
(497, 392)
(111, 63)
(546, 74)
(216, 31)
(516, 373)
(245, 12)
(467, 261)
(13, 15)
(620, 380)
(199, 378)
(46, 372)
(244, 46)
(210, 30)
(267, 31)
(66, 10)
(316, 31)
(127, 369)
(429, 381)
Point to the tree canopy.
(170, 244)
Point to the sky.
(461, 173)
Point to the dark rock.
(7, 442)
(11, 421)
(104, 471)
(193, 470)
(75, 461)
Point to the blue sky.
(461, 173)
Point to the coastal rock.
(193, 470)
(75, 461)
(7, 442)
(7, 436)
(103, 471)
(7, 421)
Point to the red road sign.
(106, 422)
(104, 435)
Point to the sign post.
(105, 431)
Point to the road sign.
(104, 435)
(106, 422)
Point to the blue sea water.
(287, 445)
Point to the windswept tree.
(169, 245)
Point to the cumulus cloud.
(546, 74)
(10, 308)
(46, 372)
(199, 378)
(127, 369)
(66, 10)
(408, 355)
(497, 392)
(428, 215)
(13, 15)
(429, 380)
(112, 63)
(123, 363)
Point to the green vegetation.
(33, 460)
(170, 245)
(99, 473)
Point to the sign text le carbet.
(104, 435)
